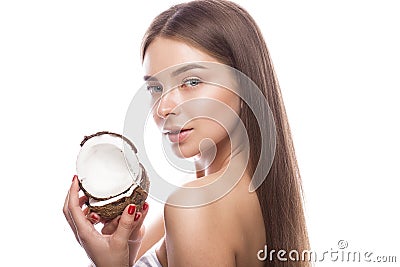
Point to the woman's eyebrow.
(186, 68)
(177, 71)
(149, 78)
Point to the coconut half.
(110, 174)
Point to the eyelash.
(188, 82)
(154, 89)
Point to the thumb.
(127, 224)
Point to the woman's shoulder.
(220, 230)
(201, 232)
(202, 199)
(199, 204)
(217, 212)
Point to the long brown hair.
(227, 32)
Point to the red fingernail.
(137, 216)
(131, 209)
(94, 217)
(75, 176)
(145, 206)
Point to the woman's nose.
(168, 103)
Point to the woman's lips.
(179, 136)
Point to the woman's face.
(184, 102)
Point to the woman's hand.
(111, 226)
(103, 249)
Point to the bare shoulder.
(217, 231)
(197, 236)
(202, 206)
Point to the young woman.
(231, 230)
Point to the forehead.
(163, 53)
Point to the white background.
(70, 68)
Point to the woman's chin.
(183, 152)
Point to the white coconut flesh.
(103, 169)
(98, 203)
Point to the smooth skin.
(111, 248)
(226, 232)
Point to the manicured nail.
(145, 206)
(137, 216)
(131, 209)
(94, 217)
(75, 176)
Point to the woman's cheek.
(158, 121)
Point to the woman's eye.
(192, 82)
(154, 89)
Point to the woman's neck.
(217, 158)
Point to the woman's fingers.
(110, 226)
(83, 200)
(129, 222)
(123, 228)
(74, 205)
(138, 234)
(94, 218)
(126, 224)
(83, 226)
(68, 217)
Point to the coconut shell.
(138, 196)
(114, 209)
